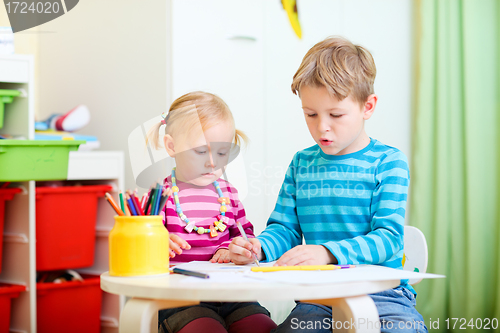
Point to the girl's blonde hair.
(188, 112)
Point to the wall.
(114, 57)
(109, 55)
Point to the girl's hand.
(241, 251)
(177, 244)
(221, 256)
(307, 255)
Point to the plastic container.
(22, 160)
(138, 245)
(7, 292)
(5, 194)
(65, 226)
(6, 96)
(73, 306)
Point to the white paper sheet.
(207, 266)
(231, 273)
(359, 273)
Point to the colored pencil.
(135, 202)
(113, 204)
(190, 273)
(122, 204)
(143, 201)
(136, 198)
(130, 204)
(158, 196)
(245, 237)
(163, 200)
(153, 199)
(127, 211)
(148, 203)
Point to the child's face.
(336, 126)
(200, 159)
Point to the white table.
(150, 294)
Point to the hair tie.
(164, 117)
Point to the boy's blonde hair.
(190, 111)
(340, 66)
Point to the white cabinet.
(19, 252)
(218, 46)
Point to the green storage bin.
(6, 96)
(22, 160)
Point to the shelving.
(86, 168)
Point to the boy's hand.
(176, 245)
(240, 251)
(307, 255)
(221, 256)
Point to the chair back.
(415, 252)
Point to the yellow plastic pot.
(138, 245)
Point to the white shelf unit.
(86, 167)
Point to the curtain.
(455, 181)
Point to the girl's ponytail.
(153, 136)
(240, 137)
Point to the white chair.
(415, 252)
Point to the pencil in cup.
(113, 204)
(135, 202)
(157, 199)
(130, 204)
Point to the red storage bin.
(65, 226)
(5, 194)
(7, 292)
(73, 306)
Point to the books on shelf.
(92, 142)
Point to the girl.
(202, 212)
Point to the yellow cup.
(138, 245)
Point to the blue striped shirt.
(353, 204)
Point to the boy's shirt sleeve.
(388, 207)
(283, 230)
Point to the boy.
(346, 195)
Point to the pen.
(189, 273)
(295, 268)
(244, 235)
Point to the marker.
(244, 235)
(190, 273)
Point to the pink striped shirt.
(200, 205)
